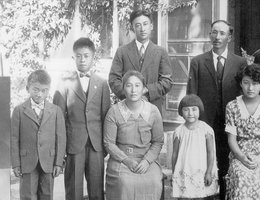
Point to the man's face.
(220, 36)
(84, 59)
(142, 27)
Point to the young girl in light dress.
(194, 164)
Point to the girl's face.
(133, 89)
(191, 114)
(250, 88)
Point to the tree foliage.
(32, 29)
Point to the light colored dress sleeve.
(230, 119)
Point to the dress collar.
(126, 112)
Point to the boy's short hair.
(84, 42)
(133, 73)
(40, 76)
(190, 100)
(138, 13)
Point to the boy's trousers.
(36, 185)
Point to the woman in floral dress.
(243, 128)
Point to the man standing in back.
(212, 79)
(144, 56)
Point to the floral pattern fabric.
(243, 183)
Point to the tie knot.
(219, 58)
(38, 106)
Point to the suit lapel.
(77, 88)
(210, 64)
(133, 55)
(93, 85)
(28, 111)
(228, 65)
(46, 112)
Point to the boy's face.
(84, 58)
(38, 92)
(142, 27)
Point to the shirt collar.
(37, 105)
(224, 54)
(126, 113)
(139, 44)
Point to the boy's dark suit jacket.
(83, 119)
(203, 82)
(156, 70)
(33, 142)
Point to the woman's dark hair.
(130, 73)
(252, 71)
(138, 13)
(190, 100)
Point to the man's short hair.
(84, 42)
(231, 29)
(138, 13)
(39, 76)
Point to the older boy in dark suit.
(144, 56)
(85, 99)
(38, 140)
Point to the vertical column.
(5, 138)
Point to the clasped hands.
(134, 166)
(249, 162)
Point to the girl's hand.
(131, 164)
(207, 179)
(249, 163)
(17, 171)
(56, 171)
(142, 167)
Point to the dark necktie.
(81, 75)
(220, 67)
(142, 51)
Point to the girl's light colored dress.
(243, 183)
(191, 165)
(137, 138)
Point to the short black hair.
(138, 13)
(135, 73)
(191, 100)
(231, 29)
(84, 42)
(252, 71)
(39, 76)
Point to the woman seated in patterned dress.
(243, 128)
(133, 136)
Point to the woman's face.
(133, 89)
(250, 88)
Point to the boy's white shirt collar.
(139, 44)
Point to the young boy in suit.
(38, 140)
(85, 99)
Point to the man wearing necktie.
(85, 99)
(211, 77)
(144, 56)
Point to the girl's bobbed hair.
(190, 100)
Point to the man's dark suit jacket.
(202, 82)
(156, 70)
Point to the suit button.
(39, 132)
(86, 110)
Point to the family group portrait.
(129, 100)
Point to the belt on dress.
(130, 150)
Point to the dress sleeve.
(110, 135)
(230, 119)
(157, 137)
